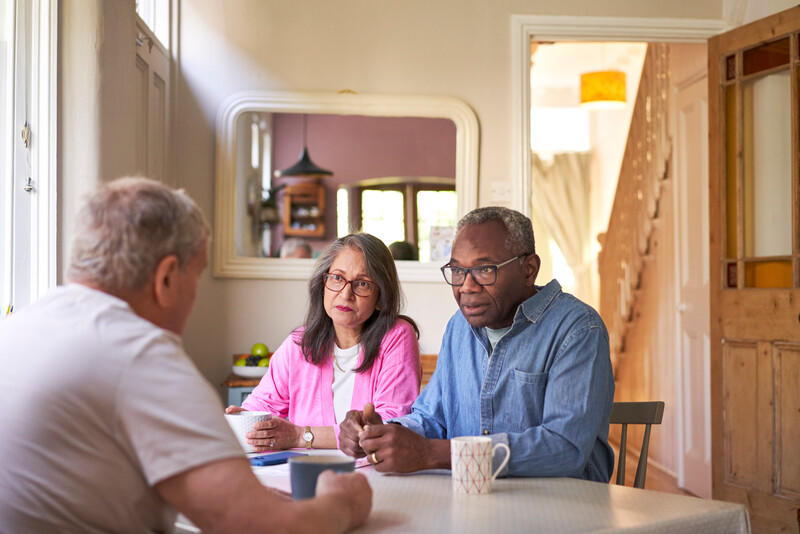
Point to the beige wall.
(96, 54)
(456, 48)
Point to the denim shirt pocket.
(527, 395)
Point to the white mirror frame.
(228, 265)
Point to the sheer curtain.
(560, 200)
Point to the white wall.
(456, 48)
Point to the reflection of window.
(434, 209)
(398, 209)
(382, 214)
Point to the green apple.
(263, 362)
(241, 362)
(259, 349)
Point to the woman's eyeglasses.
(484, 275)
(336, 282)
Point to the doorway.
(556, 29)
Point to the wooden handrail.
(645, 166)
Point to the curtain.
(560, 200)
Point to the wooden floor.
(656, 479)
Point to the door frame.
(525, 28)
(575, 28)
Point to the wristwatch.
(309, 437)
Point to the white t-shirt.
(97, 405)
(344, 379)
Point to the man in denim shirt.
(523, 364)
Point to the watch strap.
(308, 436)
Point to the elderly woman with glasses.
(354, 349)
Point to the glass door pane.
(767, 185)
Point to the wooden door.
(755, 269)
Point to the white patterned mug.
(471, 464)
(242, 422)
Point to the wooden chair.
(635, 413)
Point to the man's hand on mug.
(352, 425)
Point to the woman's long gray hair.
(319, 336)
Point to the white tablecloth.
(424, 502)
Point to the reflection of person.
(108, 425)
(526, 365)
(355, 348)
(295, 248)
(403, 250)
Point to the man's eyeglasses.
(336, 282)
(484, 275)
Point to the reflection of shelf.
(304, 210)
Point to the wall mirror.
(401, 167)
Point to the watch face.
(308, 436)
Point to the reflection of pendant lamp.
(304, 167)
(603, 89)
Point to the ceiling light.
(603, 89)
(304, 166)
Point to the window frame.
(28, 221)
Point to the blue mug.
(304, 471)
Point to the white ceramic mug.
(242, 422)
(471, 464)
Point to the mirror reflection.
(394, 177)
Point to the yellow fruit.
(241, 362)
(263, 362)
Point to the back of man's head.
(126, 227)
(295, 248)
(519, 237)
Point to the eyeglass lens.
(335, 282)
(482, 274)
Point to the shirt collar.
(534, 307)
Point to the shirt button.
(485, 430)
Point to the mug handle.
(505, 462)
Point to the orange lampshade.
(603, 89)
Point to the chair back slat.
(635, 413)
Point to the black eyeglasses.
(336, 282)
(484, 275)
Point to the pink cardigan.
(296, 389)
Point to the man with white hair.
(107, 424)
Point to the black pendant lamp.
(304, 167)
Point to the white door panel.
(694, 436)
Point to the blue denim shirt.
(546, 391)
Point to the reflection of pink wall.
(357, 147)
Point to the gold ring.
(373, 458)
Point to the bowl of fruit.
(254, 364)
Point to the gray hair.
(129, 225)
(520, 238)
(319, 336)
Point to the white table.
(424, 502)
